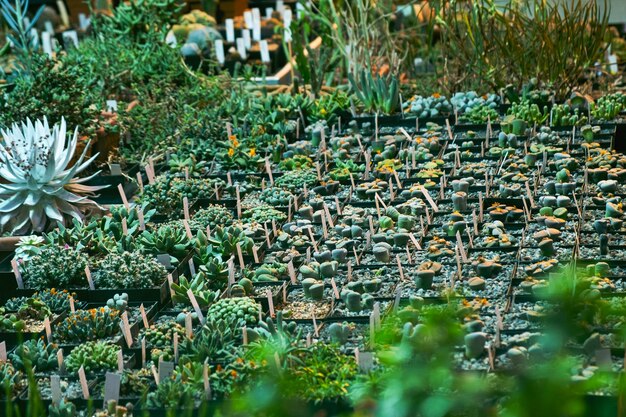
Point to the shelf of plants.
(178, 241)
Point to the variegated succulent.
(40, 187)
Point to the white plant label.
(247, 19)
(46, 43)
(71, 36)
(247, 38)
(230, 30)
(265, 52)
(287, 18)
(219, 51)
(241, 48)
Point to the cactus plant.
(339, 333)
(129, 270)
(95, 356)
(235, 309)
(90, 324)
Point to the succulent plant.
(316, 270)
(215, 340)
(129, 270)
(10, 322)
(34, 309)
(11, 380)
(281, 334)
(34, 353)
(167, 192)
(92, 324)
(235, 309)
(39, 188)
(604, 244)
(313, 289)
(339, 333)
(55, 266)
(62, 409)
(95, 356)
(199, 286)
(268, 272)
(459, 200)
(119, 302)
(475, 344)
(214, 215)
(424, 279)
(56, 301)
(275, 196)
(295, 180)
(27, 247)
(382, 252)
(295, 163)
(355, 302)
(168, 240)
(161, 333)
(225, 239)
(174, 393)
(264, 213)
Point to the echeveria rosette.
(39, 188)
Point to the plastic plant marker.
(126, 329)
(459, 243)
(48, 329)
(89, 279)
(144, 317)
(55, 388)
(205, 378)
(400, 267)
(270, 302)
(335, 289)
(292, 272)
(120, 361)
(112, 382)
(188, 326)
(165, 369)
(120, 188)
(175, 344)
(83, 382)
(143, 351)
(242, 264)
(268, 170)
(142, 223)
(18, 274)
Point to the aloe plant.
(39, 187)
(378, 94)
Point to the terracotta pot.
(8, 244)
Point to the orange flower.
(233, 374)
(436, 95)
(252, 151)
(231, 152)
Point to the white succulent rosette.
(39, 188)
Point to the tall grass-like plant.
(360, 32)
(19, 31)
(555, 42)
